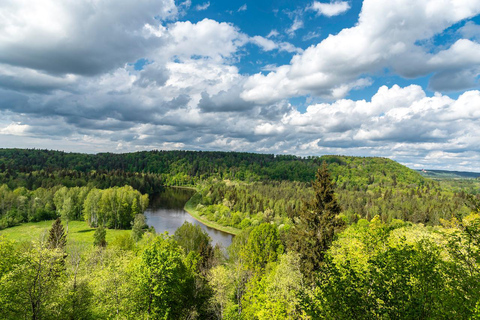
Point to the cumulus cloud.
(386, 36)
(403, 123)
(78, 37)
(206, 38)
(330, 9)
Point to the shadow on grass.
(85, 230)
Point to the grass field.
(79, 232)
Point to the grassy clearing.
(79, 233)
(190, 208)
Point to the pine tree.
(57, 238)
(99, 237)
(316, 224)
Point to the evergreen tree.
(99, 237)
(57, 238)
(316, 224)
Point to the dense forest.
(245, 189)
(329, 237)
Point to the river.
(165, 213)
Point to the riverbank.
(190, 208)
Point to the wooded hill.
(246, 189)
(188, 167)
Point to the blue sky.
(396, 79)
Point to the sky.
(396, 79)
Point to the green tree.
(463, 267)
(192, 238)
(406, 281)
(57, 238)
(31, 288)
(316, 224)
(221, 278)
(138, 228)
(114, 285)
(164, 280)
(277, 294)
(263, 246)
(100, 237)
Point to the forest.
(330, 237)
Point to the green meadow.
(79, 233)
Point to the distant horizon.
(398, 79)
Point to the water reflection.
(165, 213)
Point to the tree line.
(113, 207)
(242, 205)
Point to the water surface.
(165, 213)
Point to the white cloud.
(269, 45)
(206, 38)
(78, 37)
(470, 31)
(296, 25)
(330, 9)
(15, 129)
(273, 33)
(386, 36)
(201, 7)
(311, 35)
(242, 8)
(265, 43)
(402, 123)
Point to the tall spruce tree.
(57, 238)
(99, 237)
(316, 224)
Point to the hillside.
(244, 189)
(189, 167)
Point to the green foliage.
(407, 280)
(164, 280)
(463, 267)
(114, 285)
(124, 242)
(100, 237)
(276, 295)
(391, 271)
(57, 238)
(139, 226)
(393, 261)
(193, 239)
(114, 207)
(263, 247)
(316, 225)
(30, 288)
